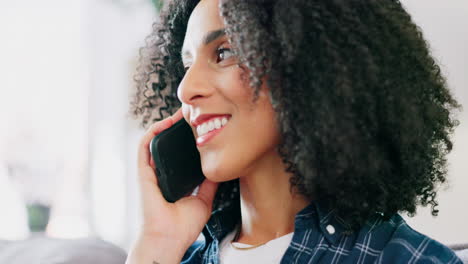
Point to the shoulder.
(406, 245)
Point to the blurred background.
(68, 145)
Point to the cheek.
(252, 136)
(244, 151)
(234, 86)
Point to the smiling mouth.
(212, 124)
(210, 129)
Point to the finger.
(153, 166)
(156, 128)
(143, 148)
(146, 164)
(207, 192)
(150, 192)
(177, 115)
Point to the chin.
(217, 174)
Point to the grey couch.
(43, 250)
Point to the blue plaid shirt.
(318, 238)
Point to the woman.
(336, 119)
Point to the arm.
(151, 250)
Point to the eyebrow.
(209, 37)
(212, 35)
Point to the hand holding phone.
(168, 229)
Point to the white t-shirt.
(271, 252)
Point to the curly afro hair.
(364, 112)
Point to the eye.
(186, 68)
(223, 54)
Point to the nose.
(195, 85)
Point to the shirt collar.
(331, 226)
(224, 220)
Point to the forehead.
(204, 18)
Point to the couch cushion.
(64, 251)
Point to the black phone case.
(177, 160)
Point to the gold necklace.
(243, 248)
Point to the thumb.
(207, 191)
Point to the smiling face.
(214, 95)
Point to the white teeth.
(211, 125)
(204, 128)
(217, 123)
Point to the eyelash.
(218, 52)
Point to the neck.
(268, 208)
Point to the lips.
(202, 140)
(206, 117)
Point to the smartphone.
(177, 160)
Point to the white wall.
(66, 71)
(115, 30)
(445, 26)
(43, 108)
